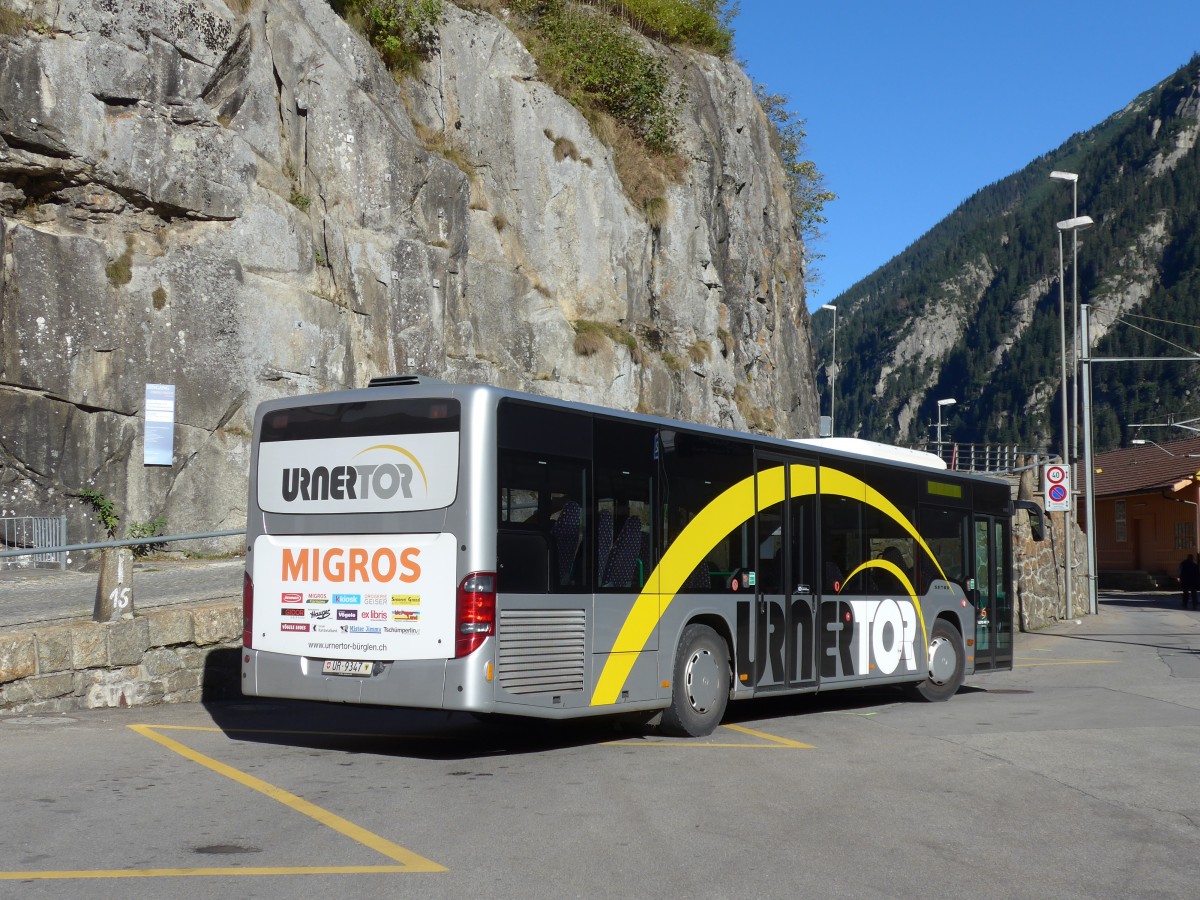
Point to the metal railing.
(40, 537)
(129, 542)
(994, 458)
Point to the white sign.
(378, 473)
(159, 444)
(1057, 480)
(348, 596)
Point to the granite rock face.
(236, 198)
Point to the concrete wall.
(172, 655)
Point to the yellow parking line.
(409, 861)
(775, 743)
(178, 873)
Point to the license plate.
(346, 667)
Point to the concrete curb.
(170, 655)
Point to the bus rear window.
(408, 416)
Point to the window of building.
(1185, 535)
(1120, 531)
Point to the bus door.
(991, 592)
(785, 620)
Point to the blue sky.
(913, 106)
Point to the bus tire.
(701, 687)
(947, 659)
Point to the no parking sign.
(1057, 479)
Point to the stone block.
(127, 642)
(18, 657)
(54, 650)
(59, 684)
(15, 692)
(89, 646)
(111, 687)
(169, 627)
(218, 624)
(184, 680)
(160, 661)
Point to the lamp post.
(1078, 223)
(832, 370)
(949, 401)
(1073, 179)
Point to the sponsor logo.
(327, 629)
(353, 564)
(294, 626)
(292, 612)
(391, 629)
(319, 614)
(347, 599)
(373, 614)
(364, 629)
(317, 598)
(344, 614)
(405, 615)
(375, 599)
(406, 599)
(292, 598)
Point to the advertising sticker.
(339, 580)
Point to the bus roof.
(877, 450)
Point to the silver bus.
(463, 547)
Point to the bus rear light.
(476, 614)
(247, 612)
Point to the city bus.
(462, 547)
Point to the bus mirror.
(1037, 518)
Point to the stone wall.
(171, 655)
(1038, 568)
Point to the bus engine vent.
(541, 650)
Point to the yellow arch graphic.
(729, 509)
(416, 462)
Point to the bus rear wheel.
(701, 686)
(946, 664)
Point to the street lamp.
(832, 369)
(949, 401)
(1073, 179)
(1073, 225)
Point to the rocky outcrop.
(236, 198)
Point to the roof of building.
(1169, 465)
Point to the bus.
(463, 547)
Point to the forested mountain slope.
(971, 309)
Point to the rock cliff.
(236, 198)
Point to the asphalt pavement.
(1075, 775)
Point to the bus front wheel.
(701, 686)
(946, 663)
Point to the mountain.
(971, 309)
(250, 199)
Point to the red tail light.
(247, 612)
(476, 615)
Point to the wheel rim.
(943, 660)
(702, 679)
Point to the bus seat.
(565, 532)
(604, 541)
(623, 561)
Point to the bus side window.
(522, 562)
(542, 521)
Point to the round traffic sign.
(1056, 474)
(1057, 493)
